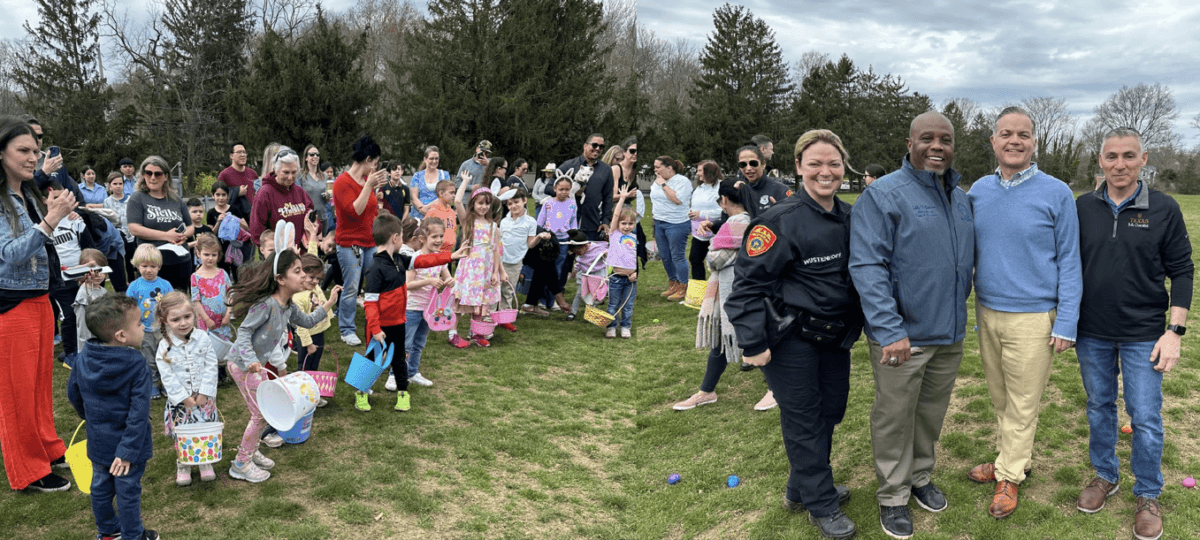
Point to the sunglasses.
(154, 174)
(632, 151)
(753, 164)
(596, 145)
(314, 154)
(37, 136)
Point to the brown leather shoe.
(1004, 502)
(1147, 521)
(987, 473)
(679, 294)
(670, 289)
(1093, 497)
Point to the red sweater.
(353, 229)
(386, 296)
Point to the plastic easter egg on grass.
(733, 481)
(1189, 482)
(1126, 429)
(655, 321)
(673, 479)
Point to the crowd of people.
(790, 280)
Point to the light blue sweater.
(1027, 249)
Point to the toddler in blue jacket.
(110, 388)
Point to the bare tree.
(9, 90)
(668, 69)
(1053, 124)
(1149, 109)
(286, 17)
(805, 65)
(1196, 121)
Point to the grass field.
(555, 432)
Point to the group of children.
(154, 341)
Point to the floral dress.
(210, 294)
(472, 282)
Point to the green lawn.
(555, 432)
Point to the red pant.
(27, 434)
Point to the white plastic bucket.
(286, 400)
(199, 443)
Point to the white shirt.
(515, 233)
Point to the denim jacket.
(24, 264)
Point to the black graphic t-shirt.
(159, 214)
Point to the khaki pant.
(906, 420)
(1017, 355)
(508, 291)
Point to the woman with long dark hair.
(28, 266)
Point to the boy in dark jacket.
(110, 388)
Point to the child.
(196, 211)
(519, 233)
(110, 388)
(479, 276)
(622, 258)
(221, 206)
(70, 238)
(387, 299)
(311, 340)
(91, 287)
(187, 363)
(589, 261)
(210, 289)
(147, 290)
(443, 209)
(423, 283)
(559, 215)
(263, 299)
(266, 244)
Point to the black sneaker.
(747, 367)
(60, 463)
(895, 521)
(50, 482)
(836, 526)
(930, 497)
(793, 506)
(150, 535)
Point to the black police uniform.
(796, 255)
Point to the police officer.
(794, 263)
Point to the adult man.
(595, 198)
(1027, 288)
(912, 248)
(239, 178)
(474, 167)
(50, 169)
(1131, 239)
(127, 168)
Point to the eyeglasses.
(314, 154)
(154, 174)
(596, 145)
(753, 164)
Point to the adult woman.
(117, 201)
(312, 182)
(327, 171)
(158, 216)
(280, 200)
(93, 193)
(539, 187)
(423, 184)
(795, 259)
(671, 196)
(629, 176)
(613, 157)
(704, 208)
(356, 207)
(762, 192)
(27, 222)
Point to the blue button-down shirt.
(1017, 178)
(1116, 208)
(95, 195)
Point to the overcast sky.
(993, 52)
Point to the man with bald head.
(912, 250)
(1131, 240)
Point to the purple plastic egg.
(673, 479)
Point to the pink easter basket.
(594, 288)
(506, 316)
(440, 311)
(327, 380)
(480, 327)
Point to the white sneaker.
(391, 384)
(625, 333)
(273, 441)
(555, 308)
(450, 335)
(263, 462)
(420, 379)
(351, 340)
(611, 332)
(321, 402)
(250, 473)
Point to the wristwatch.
(1177, 328)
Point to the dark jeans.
(716, 366)
(61, 299)
(127, 490)
(131, 273)
(395, 336)
(696, 258)
(310, 362)
(811, 384)
(120, 281)
(544, 285)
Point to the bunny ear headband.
(285, 237)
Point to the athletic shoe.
(420, 380)
(555, 308)
(611, 332)
(263, 462)
(361, 402)
(60, 463)
(248, 472)
(351, 340)
(148, 534)
(207, 474)
(459, 342)
(481, 341)
(50, 482)
(114, 536)
(402, 401)
(625, 333)
(896, 522)
(509, 326)
(697, 399)
(273, 440)
(767, 402)
(321, 402)
(390, 386)
(570, 316)
(183, 475)
(57, 339)
(451, 335)
(930, 498)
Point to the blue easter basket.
(299, 432)
(365, 370)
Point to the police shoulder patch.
(759, 240)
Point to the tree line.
(535, 77)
